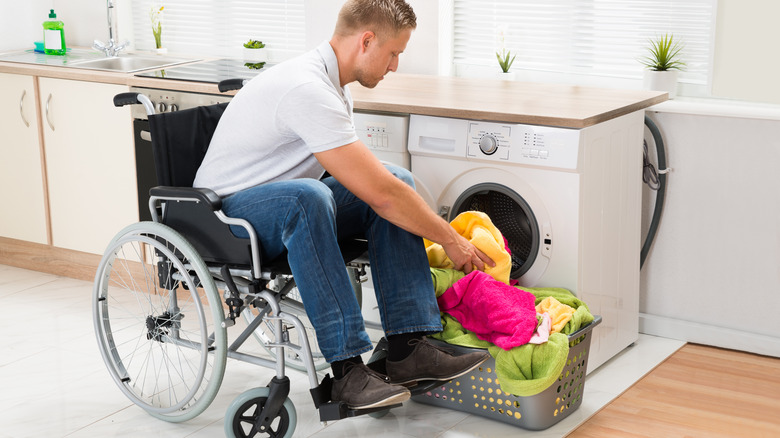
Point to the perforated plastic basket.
(479, 392)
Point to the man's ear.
(366, 39)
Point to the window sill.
(718, 108)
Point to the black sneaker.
(430, 362)
(362, 388)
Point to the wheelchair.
(166, 291)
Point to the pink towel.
(494, 311)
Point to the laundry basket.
(479, 393)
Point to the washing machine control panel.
(523, 144)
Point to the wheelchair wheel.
(266, 333)
(158, 321)
(242, 413)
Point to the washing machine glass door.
(511, 214)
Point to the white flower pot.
(506, 76)
(255, 55)
(661, 81)
(160, 51)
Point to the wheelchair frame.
(178, 277)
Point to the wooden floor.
(698, 392)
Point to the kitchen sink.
(91, 59)
(128, 63)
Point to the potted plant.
(504, 61)
(503, 55)
(663, 64)
(255, 52)
(156, 16)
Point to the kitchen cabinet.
(90, 163)
(23, 215)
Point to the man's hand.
(465, 256)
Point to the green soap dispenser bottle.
(53, 35)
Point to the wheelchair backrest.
(180, 140)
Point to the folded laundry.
(494, 311)
(478, 229)
(559, 313)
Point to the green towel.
(530, 369)
(523, 371)
(443, 279)
(581, 316)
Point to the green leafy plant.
(253, 44)
(156, 16)
(504, 61)
(254, 65)
(663, 54)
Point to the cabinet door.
(23, 214)
(90, 163)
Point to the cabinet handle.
(21, 108)
(48, 119)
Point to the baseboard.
(707, 334)
(48, 259)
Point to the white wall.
(20, 21)
(747, 58)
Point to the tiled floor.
(53, 382)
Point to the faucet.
(111, 49)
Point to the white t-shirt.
(275, 123)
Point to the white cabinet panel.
(23, 214)
(90, 163)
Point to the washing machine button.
(488, 144)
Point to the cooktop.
(209, 71)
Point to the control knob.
(161, 107)
(488, 144)
(174, 107)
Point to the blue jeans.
(306, 218)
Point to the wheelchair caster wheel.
(243, 412)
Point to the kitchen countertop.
(444, 96)
(499, 100)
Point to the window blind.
(594, 37)
(221, 27)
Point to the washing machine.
(568, 202)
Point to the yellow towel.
(478, 229)
(559, 313)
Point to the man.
(266, 159)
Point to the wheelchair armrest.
(207, 196)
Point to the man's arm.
(357, 169)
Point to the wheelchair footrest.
(333, 411)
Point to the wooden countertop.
(444, 96)
(503, 101)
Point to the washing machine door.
(514, 208)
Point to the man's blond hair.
(386, 18)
